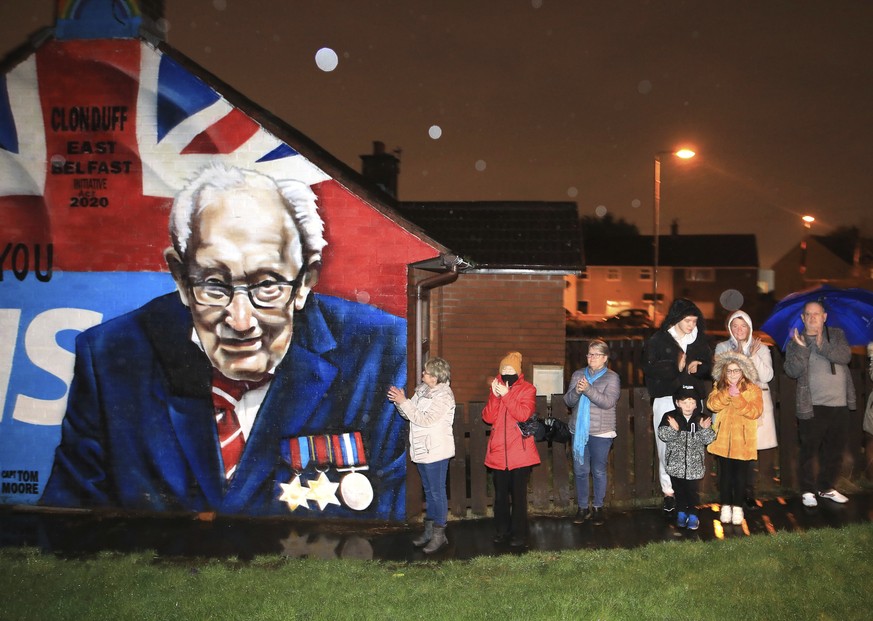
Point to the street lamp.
(684, 154)
(807, 224)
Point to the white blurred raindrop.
(326, 59)
(572, 192)
(220, 5)
(435, 132)
(600, 211)
(537, 4)
(644, 87)
(635, 203)
(363, 297)
(480, 165)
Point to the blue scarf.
(583, 417)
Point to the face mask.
(509, 380)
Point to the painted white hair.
(299, 199)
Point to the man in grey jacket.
(818, 360)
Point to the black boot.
(437, 541)
(426, 536)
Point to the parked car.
(628, 318)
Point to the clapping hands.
(498, 389)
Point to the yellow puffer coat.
(736, 427)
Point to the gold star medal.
(294, 494)
(323, 491)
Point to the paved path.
(77, 534)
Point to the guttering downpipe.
(439, 280)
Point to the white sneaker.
(736, 515)
(725, 517)
(809, 500)
(835, 496)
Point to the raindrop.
(635, 203)
(435, 132)
(326, 59)
(363, 297)
(537, 4)
(572, 192)
(220, 5)
(644, 87)
(163, 25)
(731, 300)
(600, 211)
(58, 160)
(480, 165)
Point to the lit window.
(700, 274)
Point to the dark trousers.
(732, 475)
(823, 436)
(510, 501)
(687, 495)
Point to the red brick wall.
(479, 318)
(367, 254)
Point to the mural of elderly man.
(242, 392)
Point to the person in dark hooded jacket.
(678, 348)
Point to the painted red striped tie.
(226, 394)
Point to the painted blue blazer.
(139, 432)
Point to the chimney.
(382, 168)
(674, 227)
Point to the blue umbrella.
(848, 309)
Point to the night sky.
(567, 100)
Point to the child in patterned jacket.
(686, 432)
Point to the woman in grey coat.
(592, 395)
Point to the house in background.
(511, 294)
(619, 274)
(841, 261)
(504, 289)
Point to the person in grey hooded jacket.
(743, 341)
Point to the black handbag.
(533, 427)
(557, 431)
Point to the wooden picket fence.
(633, 478)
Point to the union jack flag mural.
(97, 137)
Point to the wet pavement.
(76, 534)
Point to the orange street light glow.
(685, 154)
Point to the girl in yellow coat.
(737, 403)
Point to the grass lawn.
(820, 574)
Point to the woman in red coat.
(510, 456)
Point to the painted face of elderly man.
(241, 266)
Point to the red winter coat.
(507, 449)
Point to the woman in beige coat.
(431, 413)
(737, 402)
